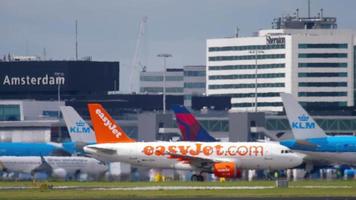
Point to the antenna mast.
(76, 39)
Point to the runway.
(156, 188)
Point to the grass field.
(296, 189)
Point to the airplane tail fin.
(303, 126)
(106, 129)
(78, 129)
(189, 127)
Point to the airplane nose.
(297, 159)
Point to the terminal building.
(315, 64)
(307, 57)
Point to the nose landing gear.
(197, 178)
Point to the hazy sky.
(108, 29)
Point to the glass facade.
(194, 73)
(194, 85)
(322, 94)
(246, 76)
(10, 113)
(343, 65)
(322, 84)
(160, 78)
(259, 104)
(248, 95)
(322, 55)
(233, 67)
(321, 74)
(247, 57)
(322, 46)
(247, 47)
(160, 90)
(250, 85)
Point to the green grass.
(296, 190)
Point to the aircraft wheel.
(194, 178)
(200, 178)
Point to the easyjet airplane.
(224, 159)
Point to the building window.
(322, 94)
(248, 95)
(187, 97)
(233, 67)
(323, 55)
(194, 73)
(322, 84)
(250, 85)
(151, 78)
(322, 64)
(247, 57)
(323, 46)
(160, 90)
(160, 78)
(321, 74)
(194, 85)
(10, 113)
(245, 48)
(259, 104)
(173, 78)
(323, 104)
(246, 76)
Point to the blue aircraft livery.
(312, 141)
(36, 149)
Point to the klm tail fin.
(303, 126)
(189, 127)
(106, 129)
(79, 130)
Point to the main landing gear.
(197, 177)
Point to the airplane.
(312, 141)
(223, 159)
(189, 127)
(80, 133)
(56, 166)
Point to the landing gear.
(197, 177)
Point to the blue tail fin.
(189, 127)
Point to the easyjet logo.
(112, 127)
(207, 150)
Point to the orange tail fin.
(106, 129)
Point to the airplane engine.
(59, 173)
(226, 170)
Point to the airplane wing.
(103, 150)
(197, 161)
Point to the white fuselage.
(246, 155)
(26, 164)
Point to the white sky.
(108, 29)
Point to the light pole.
(58, 75)
(164, 56)
(256, 52)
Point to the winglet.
(189, 127)
(106, 129)
(78, 129)
(303, 126)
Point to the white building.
(315, 65)
(152, 82)
(194, 82)
(189, 81)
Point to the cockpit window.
(286, 151)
